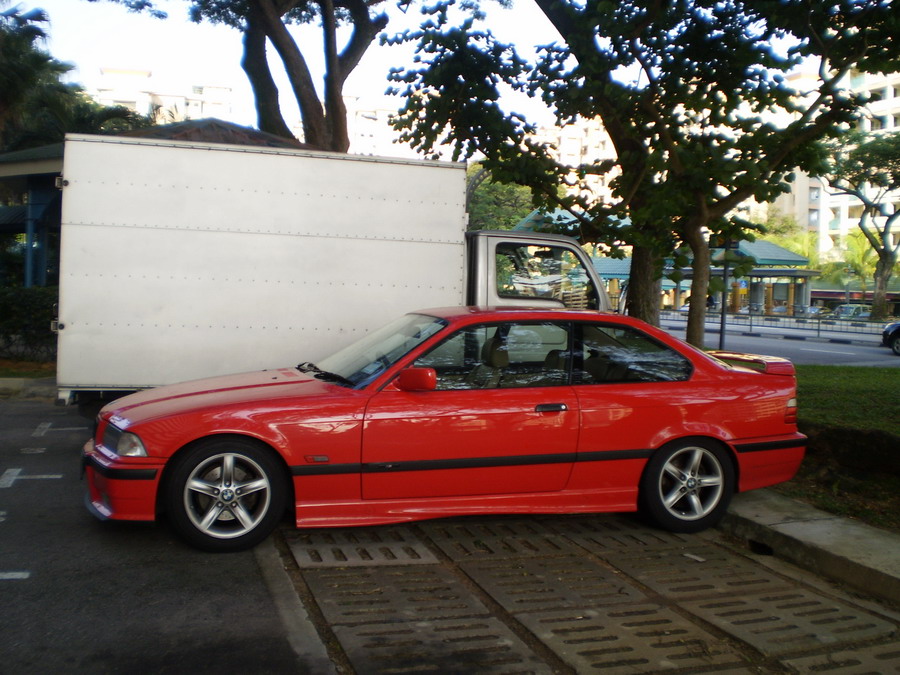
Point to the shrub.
(25, 316)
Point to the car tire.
(687, 486)
(225, 495)
(895, 343)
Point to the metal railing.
(817, 326)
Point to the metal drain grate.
(496, 538)
(696, 571)
(535, 584)
(481, 645)
(389, 594)
(792, 620)
(873, 659)
(602, 533)
(370, 547)
(639, 638)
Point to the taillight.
(790, 411)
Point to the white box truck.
(184, 260)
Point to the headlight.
(123, 443)
(130, 445)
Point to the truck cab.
(531, 269)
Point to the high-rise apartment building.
(813, 203)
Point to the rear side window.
(624, 354)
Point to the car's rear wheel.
(687, 486)
(225, 494)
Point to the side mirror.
(417, 379)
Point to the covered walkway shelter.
(778, 283)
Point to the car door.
(503, 418)
(631, 388)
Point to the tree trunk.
(699, 285)
(311, 112)
(644, 285)
(335, 110)
(884, 268)
(256, 66)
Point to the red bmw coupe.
(450, 412)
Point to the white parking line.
(41, 429)
(10, 476)
(13, 576)
(827, 351)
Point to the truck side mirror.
(417, 379)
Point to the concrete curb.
(858, 555)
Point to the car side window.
(610, 353)
(501, 356)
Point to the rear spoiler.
(773, 365)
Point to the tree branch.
(311, 112)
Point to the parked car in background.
(890, 337)
(817, 312)
(452, 412)
(846, 312)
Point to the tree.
(869, 171)
(493, 205)
(857, 264)
(24, 66)
(36, 107)
(265, 22)
(694, 97)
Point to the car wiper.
(317, 372)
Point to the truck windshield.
(364, 360)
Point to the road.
(801, 347)
(479, 595)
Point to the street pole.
(724, 293)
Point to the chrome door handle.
(551, 407)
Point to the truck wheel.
(686, 487)
(895, 344)
(225, 495)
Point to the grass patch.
(11, 368)
(850, 397)
(852, 464)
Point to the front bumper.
(119, 488)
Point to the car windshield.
(364, 360)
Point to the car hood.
(219, 392)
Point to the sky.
(94, 35)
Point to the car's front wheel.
(225, 494)
(687, 486)
(895, 343)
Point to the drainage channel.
(566, 594)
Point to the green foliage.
(36, 108)
(857, 263)
(24, 66)
(25, 316)
(866, 162)
(496, 206)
